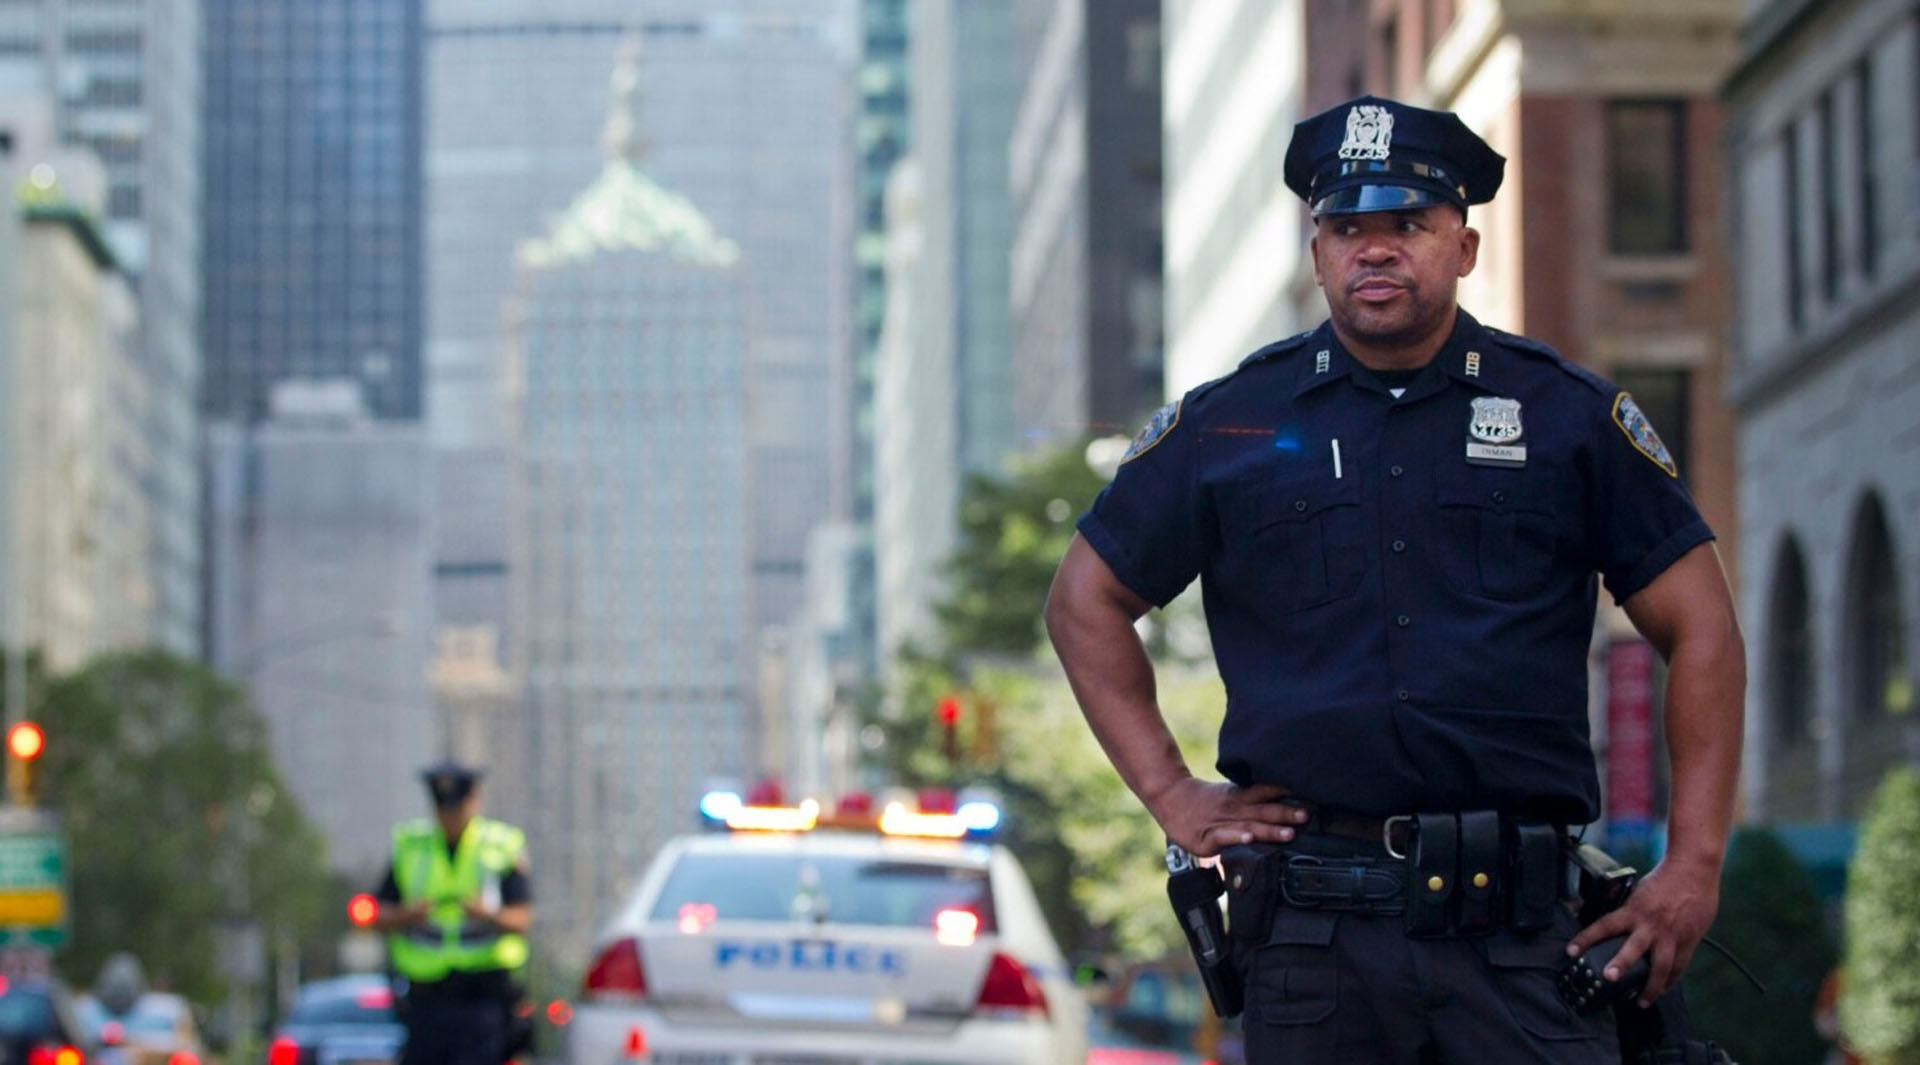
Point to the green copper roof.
(624, 210)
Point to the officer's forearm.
(1090, 619)
(1687, 613)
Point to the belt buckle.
(1386, 833)
(1286, 886)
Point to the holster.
(1194, 891)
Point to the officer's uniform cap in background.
(1374, 154)
(450, 782)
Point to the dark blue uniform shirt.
(1401, 592)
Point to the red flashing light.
(854, 804)
(956, 927)
(559, 1014)
(183, 1057)
(69, 1056)
(375, 998)
(636, 1042)
(948, 710)
(363, 910)
(1010, 986)
(283, 1051)
(616, 973)
(766, 792)
(936, 801)
(696, 916)
(26, 742)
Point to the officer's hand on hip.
(1664, 919)
(1206, 816)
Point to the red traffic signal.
(361, 910)
(948, 711)
(25, 741)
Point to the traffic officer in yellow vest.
(456, 905)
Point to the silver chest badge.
(1369, 132)
(1495, 433)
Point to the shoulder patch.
(1156, 430)
(1633, 422)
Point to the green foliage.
(1880, 1008)
(1013, 531)
(161, 774)
(1771, 919)
(1095, 857)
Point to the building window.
(1877, 680)
(1863, 140)
(1796, 236)
(1790, 652)
(1663, 394)
(1829, 202)
(1646, 160)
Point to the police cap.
(1375, 154)
(450, 782)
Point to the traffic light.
(25, 744)
(362, 910)
(948, 712)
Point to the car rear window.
(371, 1004)
(832, 889)
(26, 1014)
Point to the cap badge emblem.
(1369, 132)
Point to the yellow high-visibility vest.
(423, 870)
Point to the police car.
(798, 937)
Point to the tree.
(176, 819)
(1880, 1008)
(1013, 530)
(1771, 919)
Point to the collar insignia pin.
(1321, 361)
(1473, 364)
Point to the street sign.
(33, 882)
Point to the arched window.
(1877, 683)
(1789, 692)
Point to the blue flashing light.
(980, 818)
(719, 805)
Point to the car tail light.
(1010, 986)
(283, 1051)
(183, 1057)
(616, 973)
(636, 1042)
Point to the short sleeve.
(1147, 523)
(1642, 519)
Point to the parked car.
(158, 1029)
(1156, 1013)
(797, 943)
(348, 1020)
(39, 1024)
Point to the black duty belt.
(1451, 874)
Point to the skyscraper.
(313, 205)
(945, 376)
(633, 556)
(125, 82)
(1085, 166)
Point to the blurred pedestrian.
(1398, 519)
(456, 903)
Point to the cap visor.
(1364, 199)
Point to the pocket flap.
(1526, 952)
(1303, 928)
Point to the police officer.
(456, 905)
(1399, 521)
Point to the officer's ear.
(1313, 253)
(1469, 249)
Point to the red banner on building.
(1630, 747)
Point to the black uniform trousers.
(1355, 989)
(454, 1026)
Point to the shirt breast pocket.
(1292, 539)
(1501, 531)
